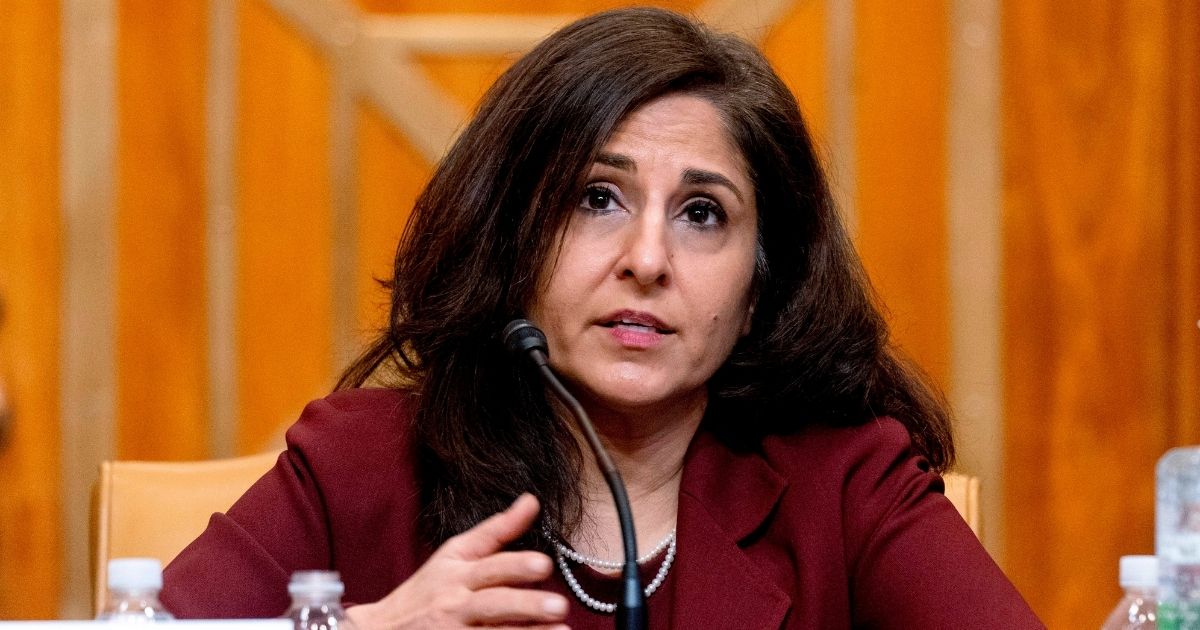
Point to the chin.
(642, 396)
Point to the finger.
(509, 567)
(501, 605)
(493, 533)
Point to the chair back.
(154, 509)
(963, 492)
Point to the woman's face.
(651, 287)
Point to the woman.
(645, 191)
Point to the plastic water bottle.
(1177, 539)
(1138, 609)
(316, 600)
(133, 586)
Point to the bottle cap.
(315, 583)
(1139, 571)
(135, 574)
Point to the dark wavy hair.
(818, 350)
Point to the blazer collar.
(725, 496)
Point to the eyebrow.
(695, 176)
(618, 161)
(691, 176)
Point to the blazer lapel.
(725, 496)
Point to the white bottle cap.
(1139, 571)
(316, 583)
(135, 574)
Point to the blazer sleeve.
(344, 496)
(913, 561)
(240, 565)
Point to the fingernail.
(555, 605)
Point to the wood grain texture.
(1184, 202)
(391, 174)
(161, 339)
(1102, 240)
(902, 83)
(30, 295)
(796, 46)
(283, 230)
(580, 7)
(465, 77)
(1090, 293)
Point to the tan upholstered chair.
(154, 509)
(963, 492)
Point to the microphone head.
(521, 336)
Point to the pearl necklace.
(613, 565)
(562, 552)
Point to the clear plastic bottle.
(1177, 538)
(1138, 609)
(133, 586)
(316, 600)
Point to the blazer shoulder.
(363, 420)
(839, 450)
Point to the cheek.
(565, 285)
(733, 310)
(728, 314)
(580, 267)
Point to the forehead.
(679, 126)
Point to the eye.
(703, 212)
(598, 198)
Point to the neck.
(647, 447)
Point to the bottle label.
(1178, 616)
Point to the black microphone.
(522, 337)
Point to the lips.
(636, 321)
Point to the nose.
(647, 255)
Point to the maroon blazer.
(830, 528)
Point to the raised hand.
(469, 582)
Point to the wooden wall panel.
(283, 225)
(902, 84)
(465, 77)
(1184, 204)
(1102, 232)
(578, 7)
(797, 46)
(1089, 236)
(391, 173)
(161, 333)
(29, 302)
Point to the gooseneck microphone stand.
(522, 337)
